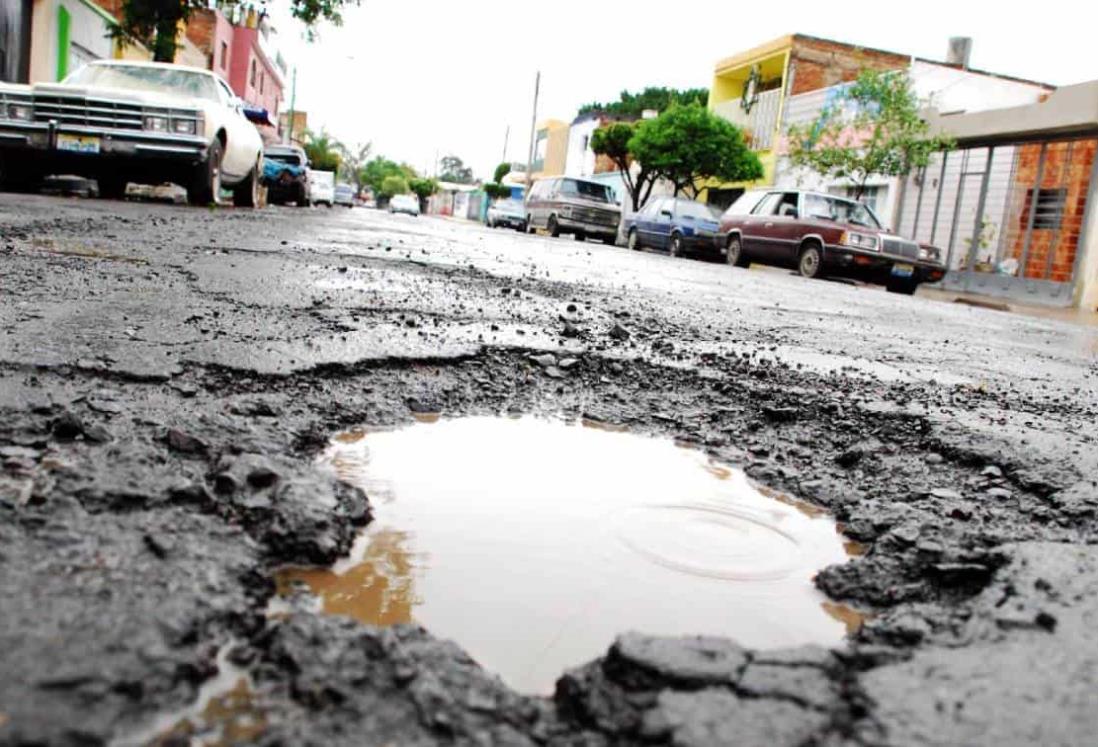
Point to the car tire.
(633, 241)
(579, 236)
(246, 194)
(205, 184)
(521, 227)
(810, 263)
(735, 254)
(903, 286)
(530, 227)
(552, 227)
(675, 245)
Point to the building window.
(262, 80)
(1049, 208)
(224, 55)
(251, 77)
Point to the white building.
(941, 86)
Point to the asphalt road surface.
(168, 376)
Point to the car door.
(661, 223)
(646, 221)
(756, 226)
(785, 229)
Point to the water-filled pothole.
(532, 543)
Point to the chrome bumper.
(42, 136)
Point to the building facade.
(1015, 207)
(15, 40)
(239, 47)
(550, 149)
(946, 86)
(751, 89)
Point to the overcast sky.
(416, 78)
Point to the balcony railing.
(761, 124)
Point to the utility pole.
(506, 137)
(533, 128)
(293, 101)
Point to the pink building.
(239, 50)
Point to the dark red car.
(821, 234)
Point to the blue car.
(676, 224)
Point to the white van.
(322, 187)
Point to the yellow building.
(750, 90)
(550, 149)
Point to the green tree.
(423, 187)
(632, 105)
(454, 170)
(155, 23)
(612, 141)
(496, 189)
(873, 128)
(352, 163)
(323, 151)
(690, 145)
(394, 184)
(375, 171)
(501, 171)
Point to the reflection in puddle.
(533, 543)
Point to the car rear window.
(745, 203)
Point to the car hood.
(581, 202)
(149, 98)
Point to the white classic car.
(118, 121)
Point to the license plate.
(902, 270)
(78, 143)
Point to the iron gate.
(1008, 218)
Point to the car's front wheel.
(675, 246)
(246, 194)
(735, 255)
(553, 227)
(205, 186)
(579, 236)
(811, 262)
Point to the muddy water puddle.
(531, 543)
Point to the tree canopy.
(632, 105)
(612, 141)
(687, 145)
(155, 23)
(872, 128)
(454, 170)
(394, 184)
(378, 169)
(323, 151)
(423, 187)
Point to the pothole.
(532, 543)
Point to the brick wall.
(1068, 166)
(818, 63)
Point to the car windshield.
(690, 209)
(745, 203)
(590, 190)
(166, 80)
(840, 211)
(291, 158)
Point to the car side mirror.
(666, 213)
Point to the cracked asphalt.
(168, 376)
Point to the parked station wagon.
(821, 234)
(576, 206)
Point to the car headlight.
(24, 112)
(858, 240)
(928, 254)
(183, 126)
(156, 124)
(566, 212)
